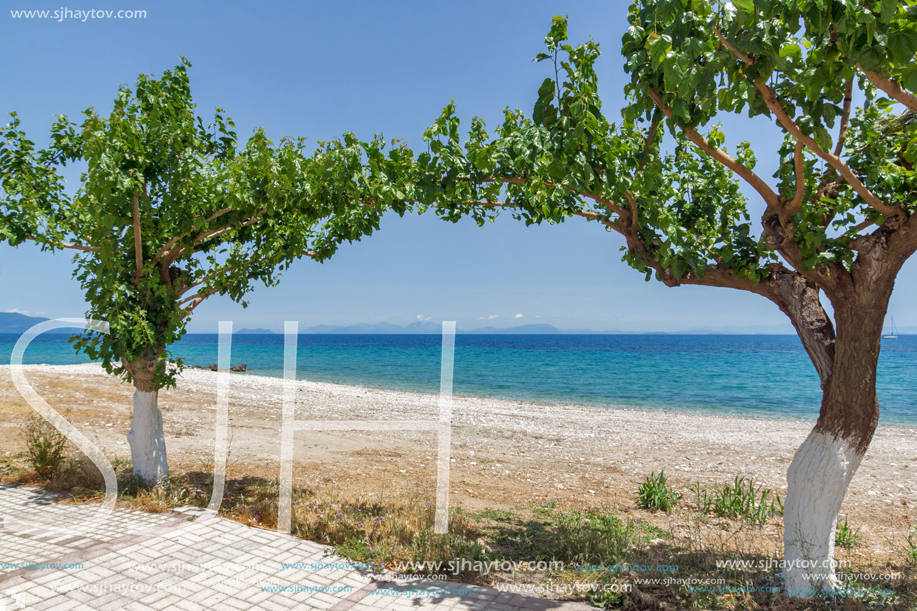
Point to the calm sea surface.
(750, 375)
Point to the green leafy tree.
(837, 219)
(170, 212)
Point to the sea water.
(741, 375)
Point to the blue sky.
(320, 69)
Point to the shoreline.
(687, 411)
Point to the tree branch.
(855, 230)
(517, 180)
(650, 136)
(795, 205)
(747, 60)
(165, 249)
(227, 270)
(845, 119)
(196, 300)
(770, 98)
(199, 297)
(770, 198)
(799, 301)
(67, 245)
(891, 87)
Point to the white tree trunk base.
(817, 481)
(148, 444)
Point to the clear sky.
(320, 69)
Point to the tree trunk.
(822, 468)
(146, 438)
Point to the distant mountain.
(786, 329)
(430, 328)
(14, 322)
(357, 329)
(520, 330)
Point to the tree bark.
(824, 464)
(146, 438)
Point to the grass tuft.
(741, 499)
(846, 537)
(655, 493)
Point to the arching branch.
(770, 98)
(164, 251)
(892, 88)
(756, 182)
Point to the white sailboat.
(893, 334)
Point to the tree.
(170, 212)
(838, 219)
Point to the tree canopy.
(170, 211)
(680, 207)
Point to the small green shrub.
(846, 537)
(655, 493)
(45, 446)
(591, 538)
(912, 543)
(741, 499)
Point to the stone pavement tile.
(217, 565)
(257, 596)
(321, 604)
(154, 596)
(65, 604)
(114, 605)
(208, 597)
(223, 606)
(236, 603)
(187, 605)
(277, 603)
(165, 603)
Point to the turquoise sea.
(742, 375)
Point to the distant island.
(254, 332)
(14, 322)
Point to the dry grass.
(382, 527)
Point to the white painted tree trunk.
(817, 481)
(148, 444)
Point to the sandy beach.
(504, 453)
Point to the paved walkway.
(150, 562)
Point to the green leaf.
(903, 45)
(547, 88)
(791, 50)
(888, 10)
(745, 5)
